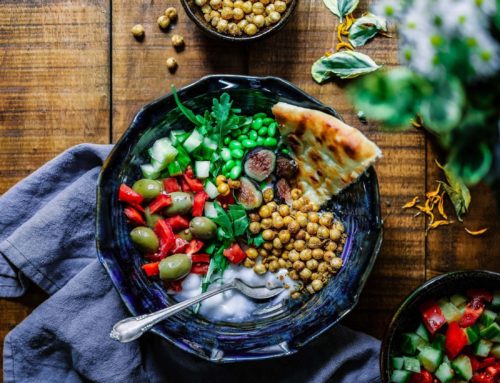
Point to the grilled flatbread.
(329, 153)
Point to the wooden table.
(71, 72)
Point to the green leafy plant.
(345, 64)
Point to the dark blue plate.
(282, 331)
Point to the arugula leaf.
(224, 222)
(365, 28)
(344, 64)
(186, 111)
(457, 191)
(257, 240)
(218, 264)
(341, 8)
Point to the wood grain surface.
(71, 72)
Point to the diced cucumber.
(472, 333)
(495, 351)
(211, 190)
(202, 169)
(450, 312)
(149, 171)
(422, 332)
(488, 317)
(193, 141)
(183, 157)
(462, 367)
(210, 210)
(458, 300)
(163, 151)
(482, 348)
(174, 169)
(174, 136)
(410, 342)
(444, 373)
(430, 358)
(411, 364)
(438, 342)
(210, 144)
(491, 331)
(496, 300)
(397, 363)
(400, 376)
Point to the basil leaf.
(344, 64)
(340, 8)
(365, 28)
(457, 191)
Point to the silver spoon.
(130, 329)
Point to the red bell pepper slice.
(199, 203)
(180, 245)
(483, 295)
(494, 369)
(200, 258)
(234, 254)
(194, 246)
(134, 216)
(129, 195)
(178, 222)
(193, 183)
(171, 185)
(482, 377)
(166, 235)
(160, 202)
(189, 171)
(456, 340)
(185, 186)
(199, 268)
(474, 362)
(432, 316)
(175, 286)
(151, 269)
(473, 311)
(423, 376)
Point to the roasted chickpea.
(278, 222)
(227, 3)
(207, 17)
(310, 289)
(263, 253)
(301, 235)
(314, 207)
(326, 220)
(313, 217)
(305, 274)
(287, 220)
(238, 4)
(265, 211)
(323, 232)
(250, 29)
(295, 295)
(259, 21)
(297, 204)
(254, 228)
(223, 189)
(298, 265)
(216, 4)
(293, 227)
(339, 249)
(284, 210)
(242, 24)
(273, 206)
(323, 267)
(314, 243)
(284, 236)
(172, 64)
(312, 264)
(163, 22)
(233, 184)
(138, 31)
(226, 13)
(268, 235)
(206, 9)
(220, 179)
(276, 252)
(339, 226)
(312, 228)
(215, 21)
(301, 220)
(305, 255)
(222, 26)
(273, 266)
(335, 234)
(270, 8)
(328, 256)
(201, 3)
(317, 284)
(280, 6)
(305, 208)
(317, 254)
(293, 255)
(238, 14)
(247, 7)
(299, 245)
(331, 246)
(296, 193)
(336, 263)
(307, 236)
(266, 223)
(277, 243)
(260, 269)
(265, 2)
(258, 8)
(282, 263)
(178, 42)
(294, 275)
(249, 263)
(254, 217)
(171, 13)
(268, 246)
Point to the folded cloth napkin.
(47, 237)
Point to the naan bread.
(329, 153)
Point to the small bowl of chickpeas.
(239, 20)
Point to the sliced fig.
(260, 163)
(283, 191)
(286, 167)
(248, 194)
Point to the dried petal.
(441, 207)
(476, 232)
(411, 204)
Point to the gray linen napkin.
(47, 237)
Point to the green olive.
(182, 203)
(185, 234)
(145, 239)
(203, 227)
(151, 219)
(149, 189)
(175, 267)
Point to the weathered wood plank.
(54, 93)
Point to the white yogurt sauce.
(232, 306)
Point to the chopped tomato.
(129, 195)
(473, 311)
(166, 235)
(234, 254)
(482, 294)
(180, 245)
(151, 269)
(474, 362)
(171, 185)
(456, 340)
(199, 268)
(226, 200)
(488, 362)
(200, 258)
(194, 246)
(482, 377)
(199, 203)
(432, 316)
(178, 222)
(134, 216)
(160, 202)
(421, 377)
(494, 369)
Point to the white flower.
(390, 9)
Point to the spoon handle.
(130, 329)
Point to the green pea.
(286, 151)
(249, 144)
(227, 174)
(271, 129)
(227, 140)
(260, 141)
(237, 153)
(235, 145)
(236, 133)
(253, 135)
(263, 131)
(228, 165)
(267, 121)
(242, 138)
(259, 115)
(225, 154)
(235, 172)
(257, 124)
(245, 129)
(270, 141)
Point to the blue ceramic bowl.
(280, 332)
